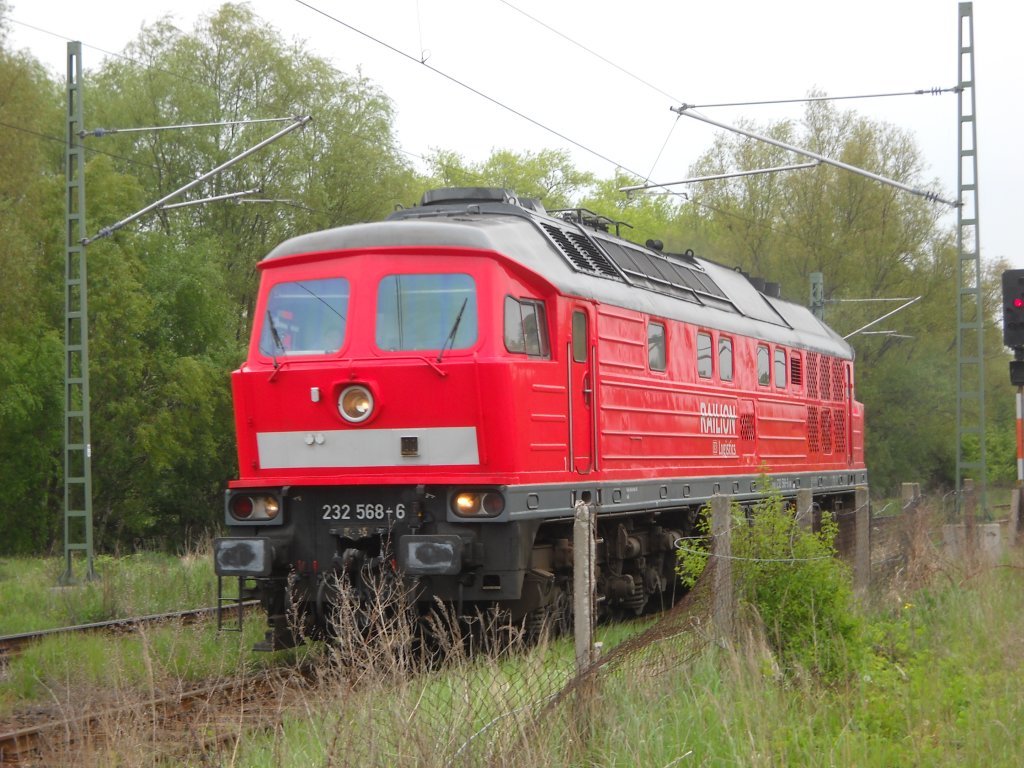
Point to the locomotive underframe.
(520, 562)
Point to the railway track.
(26, 737)
(12, 645)
(196, 719)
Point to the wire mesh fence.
(526, 703)
(906, 548)
(395, 688)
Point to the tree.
(644, 216)
(30, 342)
(548, 175)
(342, 168)
(171, 295)
(870, 241)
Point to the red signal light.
(1013, 308)
(241, 507)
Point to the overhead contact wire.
(468, 87)
(579, 45)
(806, 99)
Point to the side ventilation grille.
(813, 434)
(746, 427)
(796, 371)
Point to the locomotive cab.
(382, 419)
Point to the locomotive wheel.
(552, 619)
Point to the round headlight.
(271, 507)
(355, 403)
(466, 504)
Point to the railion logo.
(717, 419)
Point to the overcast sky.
(599, 78)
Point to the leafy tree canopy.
(548, 175)
(171, 295)
(871, 242)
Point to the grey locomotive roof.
(545, 244)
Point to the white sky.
(680, 51)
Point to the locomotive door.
(581, 395)
(848, 407)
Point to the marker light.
(478, 504)
(254, 507)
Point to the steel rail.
(32, 742)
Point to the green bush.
(789, 579)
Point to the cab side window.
(526, 328)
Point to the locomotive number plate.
(363, 513)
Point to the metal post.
(1016, 518)
(818, 295)
(910, 496)
(78, 532)
(1017, 497)
(970, 411)
(583, 584)
(77, 431)
(1020, 437)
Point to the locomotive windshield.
(426, 311)
(305, 317)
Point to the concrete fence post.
(721, 553)
(862, 537)
(910, 495)
(805, 509)
(583, 549)
(970, 505)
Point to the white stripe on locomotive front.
(324, 449)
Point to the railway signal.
(1013, 310)
(1013, 336)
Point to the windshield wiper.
(277, 338)
(453, 331)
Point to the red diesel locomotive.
(431, 395)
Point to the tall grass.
(70, 671)
(84, 671)
(935, 681)
(939, 685)
(32, 599)
(932, 677)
